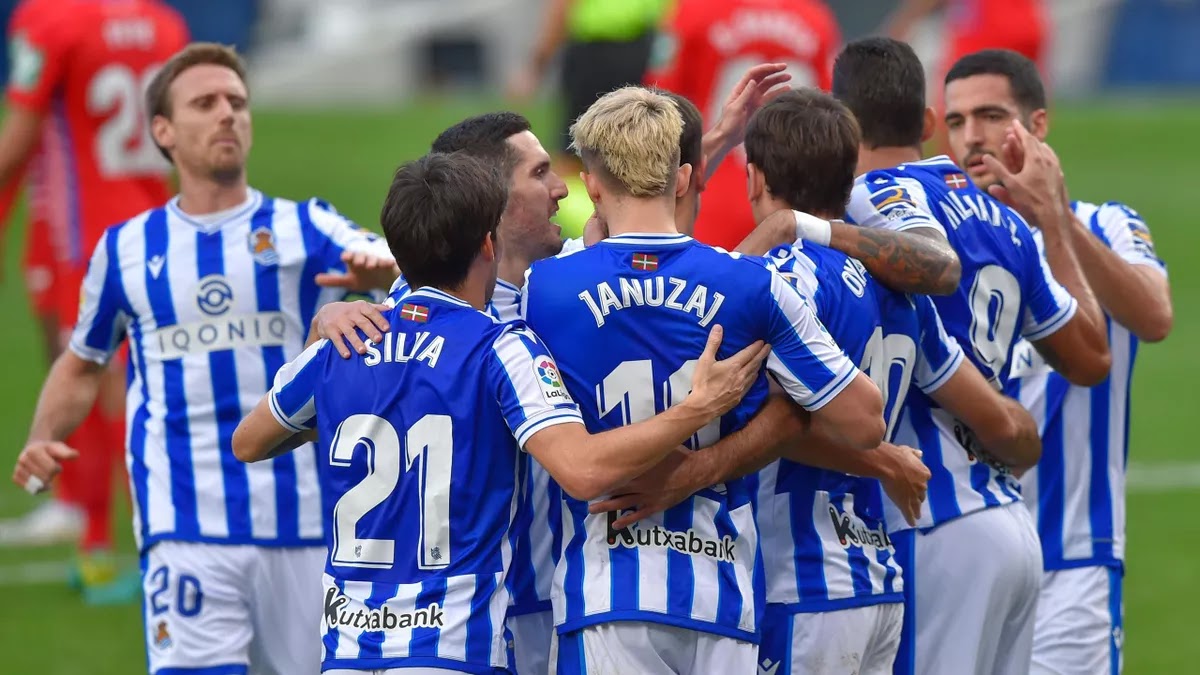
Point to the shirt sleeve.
(104, 313)
(1128, 235)
(528, 386)
(339, 234)
(39, 40)
(938, 354)
(882, 200)
(292, 398)
(1048, 305)
(804, 359)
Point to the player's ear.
(756, 184)
(162, 131)
(683, 180)
(930, 125)
(490, 248)
(592, 183)
(1039, 124)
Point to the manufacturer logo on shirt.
(688, 542)
(262, 246)
(214, 296)
(550, 381)
(363, 619)
(155, 265)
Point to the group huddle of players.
(886, 434)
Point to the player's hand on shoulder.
(39, 463)
(340, 322)
(907, 479)
(718, 386)
(595, 229)
(668, 483)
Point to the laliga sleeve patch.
(550, 381)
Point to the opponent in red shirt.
(974, 25)
(706, 47)
(76, 132)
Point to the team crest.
(262, 246)
(162, 637)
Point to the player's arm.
(901, 23)
(588, 466)
(286, 417)
(758, 85)
(1031, 182)
(814, 371)
(780, 429)
(74, 381)
(1002, 426)
(551, 38)
(367, 262)
(1128, 279)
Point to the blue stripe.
(906, 555)
(575, 561)
(571, 660)
(317, 253)
(1116, 613)
(178, 440)
(778, 625)
(625, 580)
(222, 367)
(981, 474)
(729, 604)
(856, 557)
(266, 288)
(681, 587)
(800, 483)
(370, 642)
(480, 631)
(942, 498)
(1052, 498)
(102, 335)
(1100, 498)
(329, 641)
(425, 641)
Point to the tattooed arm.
(913, 261)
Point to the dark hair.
(158, 93)
(486, 137)
(691, 145)
(1023, 78)
(805, 144)
(438, 212)
(883, 83)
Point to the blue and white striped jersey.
(630, 316)
(421, 470)
(1006, 292)
(1077, 491)
(536, 549)
(823, 533)
(212, 309)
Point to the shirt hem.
(572, 625)
(807, 607)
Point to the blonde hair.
(634, 134)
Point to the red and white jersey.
(706, 47)
(85, 65)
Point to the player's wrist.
(811, 228)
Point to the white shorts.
(245, 609)
(531, 634)
(625, 647)
(976, 583)
(860, 640)
(395, 671)
(1079, 627)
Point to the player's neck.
(512, 270)
(198, 198)
(649, 216)
(471, 292)
(874, 159)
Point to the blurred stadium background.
(344, 90)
